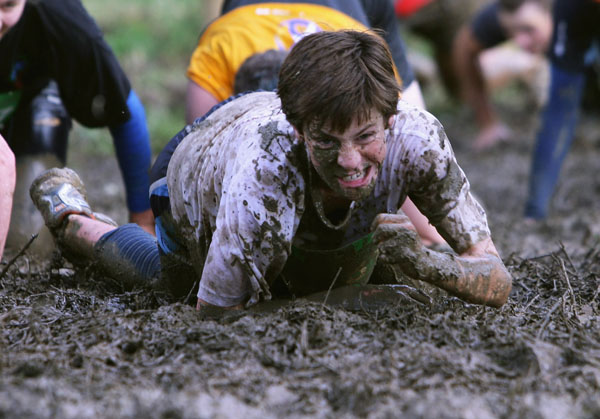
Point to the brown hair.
(511, 6)
(334, 77)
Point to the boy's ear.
(298, 134)
(390, 121)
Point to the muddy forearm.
(478, 276)
(481, 280)
(474, 91)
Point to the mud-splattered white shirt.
(238, 185)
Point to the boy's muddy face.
(349, 162)
(10, 13)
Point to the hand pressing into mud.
(398, 220)
(477, 275)
(398, 242)
(206, 309)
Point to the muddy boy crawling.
(298, 188)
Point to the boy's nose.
(349, 157)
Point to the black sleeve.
(486, 27)
(226, 7)
(92, 84)
(381, 16)
(576, 28)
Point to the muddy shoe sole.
(57, 193)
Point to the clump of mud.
(74, 345)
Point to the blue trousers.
(554, 139)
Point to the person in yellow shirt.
(246, 28)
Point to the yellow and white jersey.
(230, 39)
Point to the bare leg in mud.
(81, 233)
(477, 275)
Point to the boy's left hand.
(400, 220)
(397, 242)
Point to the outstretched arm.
(440, 189)
(427, 232)
(132, 145)
(7, 187)
(466, 53)
(477, 275)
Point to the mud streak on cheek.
(323, 158)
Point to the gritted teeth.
(354, 176)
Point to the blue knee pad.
(129, 254)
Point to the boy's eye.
(366, 136)
(324, 142)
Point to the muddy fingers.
(479, 280)
(399, 219)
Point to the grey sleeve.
(258, 215)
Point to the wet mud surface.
(76, 345)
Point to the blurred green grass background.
(153, 40)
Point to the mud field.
(76, 345)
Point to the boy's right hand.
(203, 306)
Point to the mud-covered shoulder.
(415, 122)
(272, 173)
(229, 130)
(419, 145)
(249, 132)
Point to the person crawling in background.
(56, 68)
(268, 182)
